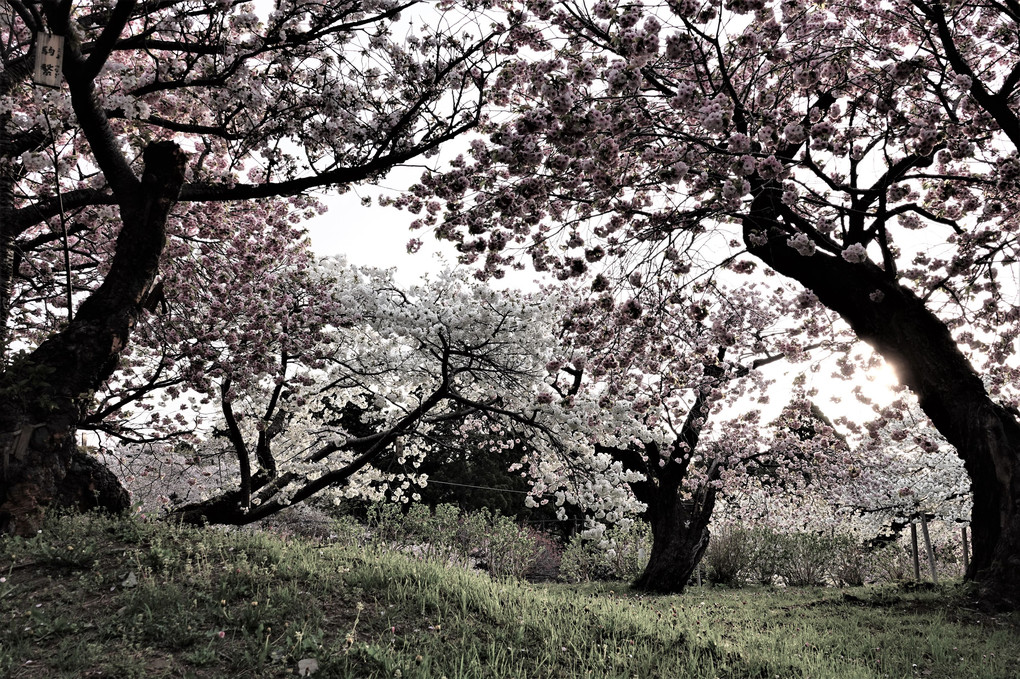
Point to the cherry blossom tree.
(367, 380)
(166, 112)
(236, 305)
(677, 400)
(907, 470)
(867, 151)
(357, 383)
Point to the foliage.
(472, 472)
(319, 369)
(621, 554)
(270, 104)
(740, 555)
(728, 556)
(387, 376)
(548, 557)
(806, 559)
(762, 552)
(446, 535)
(182, 136)
(209, 603)
(865, 150)
(642, 133)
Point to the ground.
(99, 597)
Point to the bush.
(347, 531)
(763, 555)
(893, 562)
(509, 550)
(386, 523)
(621, 554)
(728, 557)
(738, 555)
(548, 557)
(850, 562)
(446, 535)
(805, 558)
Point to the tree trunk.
(679, 538)
(7, 249)
(43, 395)
(919, 346)
(679, 526)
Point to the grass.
(100, 597)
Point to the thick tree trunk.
(44, 394)
(899, 326)
(7, 176)
(679, 538)
(679, 526)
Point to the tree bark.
(679, 538)
(7, 251)
(679, 525)
(920, 347)
(43, 395)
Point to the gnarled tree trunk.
(43, 394)
(679, 538)
(679, 524)
(897, 324)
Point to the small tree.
(658, 368)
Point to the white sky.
(376, 236)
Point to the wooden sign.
(49, 56)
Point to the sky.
(375, 236)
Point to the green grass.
(98, 597)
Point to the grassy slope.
(106, 598)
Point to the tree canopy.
(167, 112)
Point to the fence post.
(927, 547)
(913, 551)
(966, 551)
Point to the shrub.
(763, 554)
(347, 531)
(509, 550)
(728, 557)
(446, 535)
(386, 523)
(548, 557)
(850, 562)
(621, 554)
(805, 558)
(472, 531)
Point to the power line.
(467, 485)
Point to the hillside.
(98, 597)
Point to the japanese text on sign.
(49, 54)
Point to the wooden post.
(966, 551)
(927, 547)
(913, 551)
